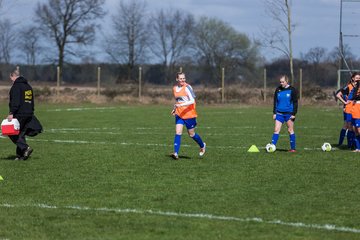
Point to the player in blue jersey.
(343, 95)
(354, 97)
(285, 109)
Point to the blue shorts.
(347, 117)
(356, 122)
(189, 123)
(283, 117)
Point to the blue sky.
(317, 21)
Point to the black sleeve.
(345, 90)
(355, 94)
(275, 100)
(15, 100)
(294, 99)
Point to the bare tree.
(172, 37)
(346, 53)
(279, 36)
(7, 40)
(219, 45)
(69, 22)
(30, 44)
(315, 55)
(128, 40)
(315, 58)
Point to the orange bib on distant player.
(181, 96)
(348, 107)
(355, 111)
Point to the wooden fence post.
(222, 85)
(98, 80)
(265, 79)
(140, 75)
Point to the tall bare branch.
(7, 40)
(69, 22)
(278, 36)
(171, 37)
(129, 37)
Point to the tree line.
(63, 33)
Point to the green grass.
(93, 163)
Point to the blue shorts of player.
(356, 139)
(347, 117)
(189, 123)
(283, 117)
(356, 122)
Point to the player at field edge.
(21, 107)
(185, 114)
(285, 109)
(344, 96)
(355, 110)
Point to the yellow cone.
(1, 178)
(253, 148)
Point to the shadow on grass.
(282, 150)
(180, 157)
(341, 147)
(11, 157)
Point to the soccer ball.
(270, 148)
(326, 147)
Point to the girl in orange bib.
(185, 114)
(355, 110)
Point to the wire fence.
(112, 80)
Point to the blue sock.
(357, 142)
(275, 138)
(342, 136)
(350, 138)
(177, 143)
(292, 141)
(198, 139)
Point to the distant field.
(104, 173)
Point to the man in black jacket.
(21, 107)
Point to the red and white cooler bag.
(10, 127)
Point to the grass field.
(104, 173)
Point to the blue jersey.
(354, 93)
(285, 100)
(347, 91)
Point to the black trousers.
(20, 139)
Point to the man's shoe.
(19, 158)
(292, 150)
(202, 150)
(27, 153)
(175, 156)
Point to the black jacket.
(21, 105)
(21, 102)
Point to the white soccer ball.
(270, 148)
(326, 147)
